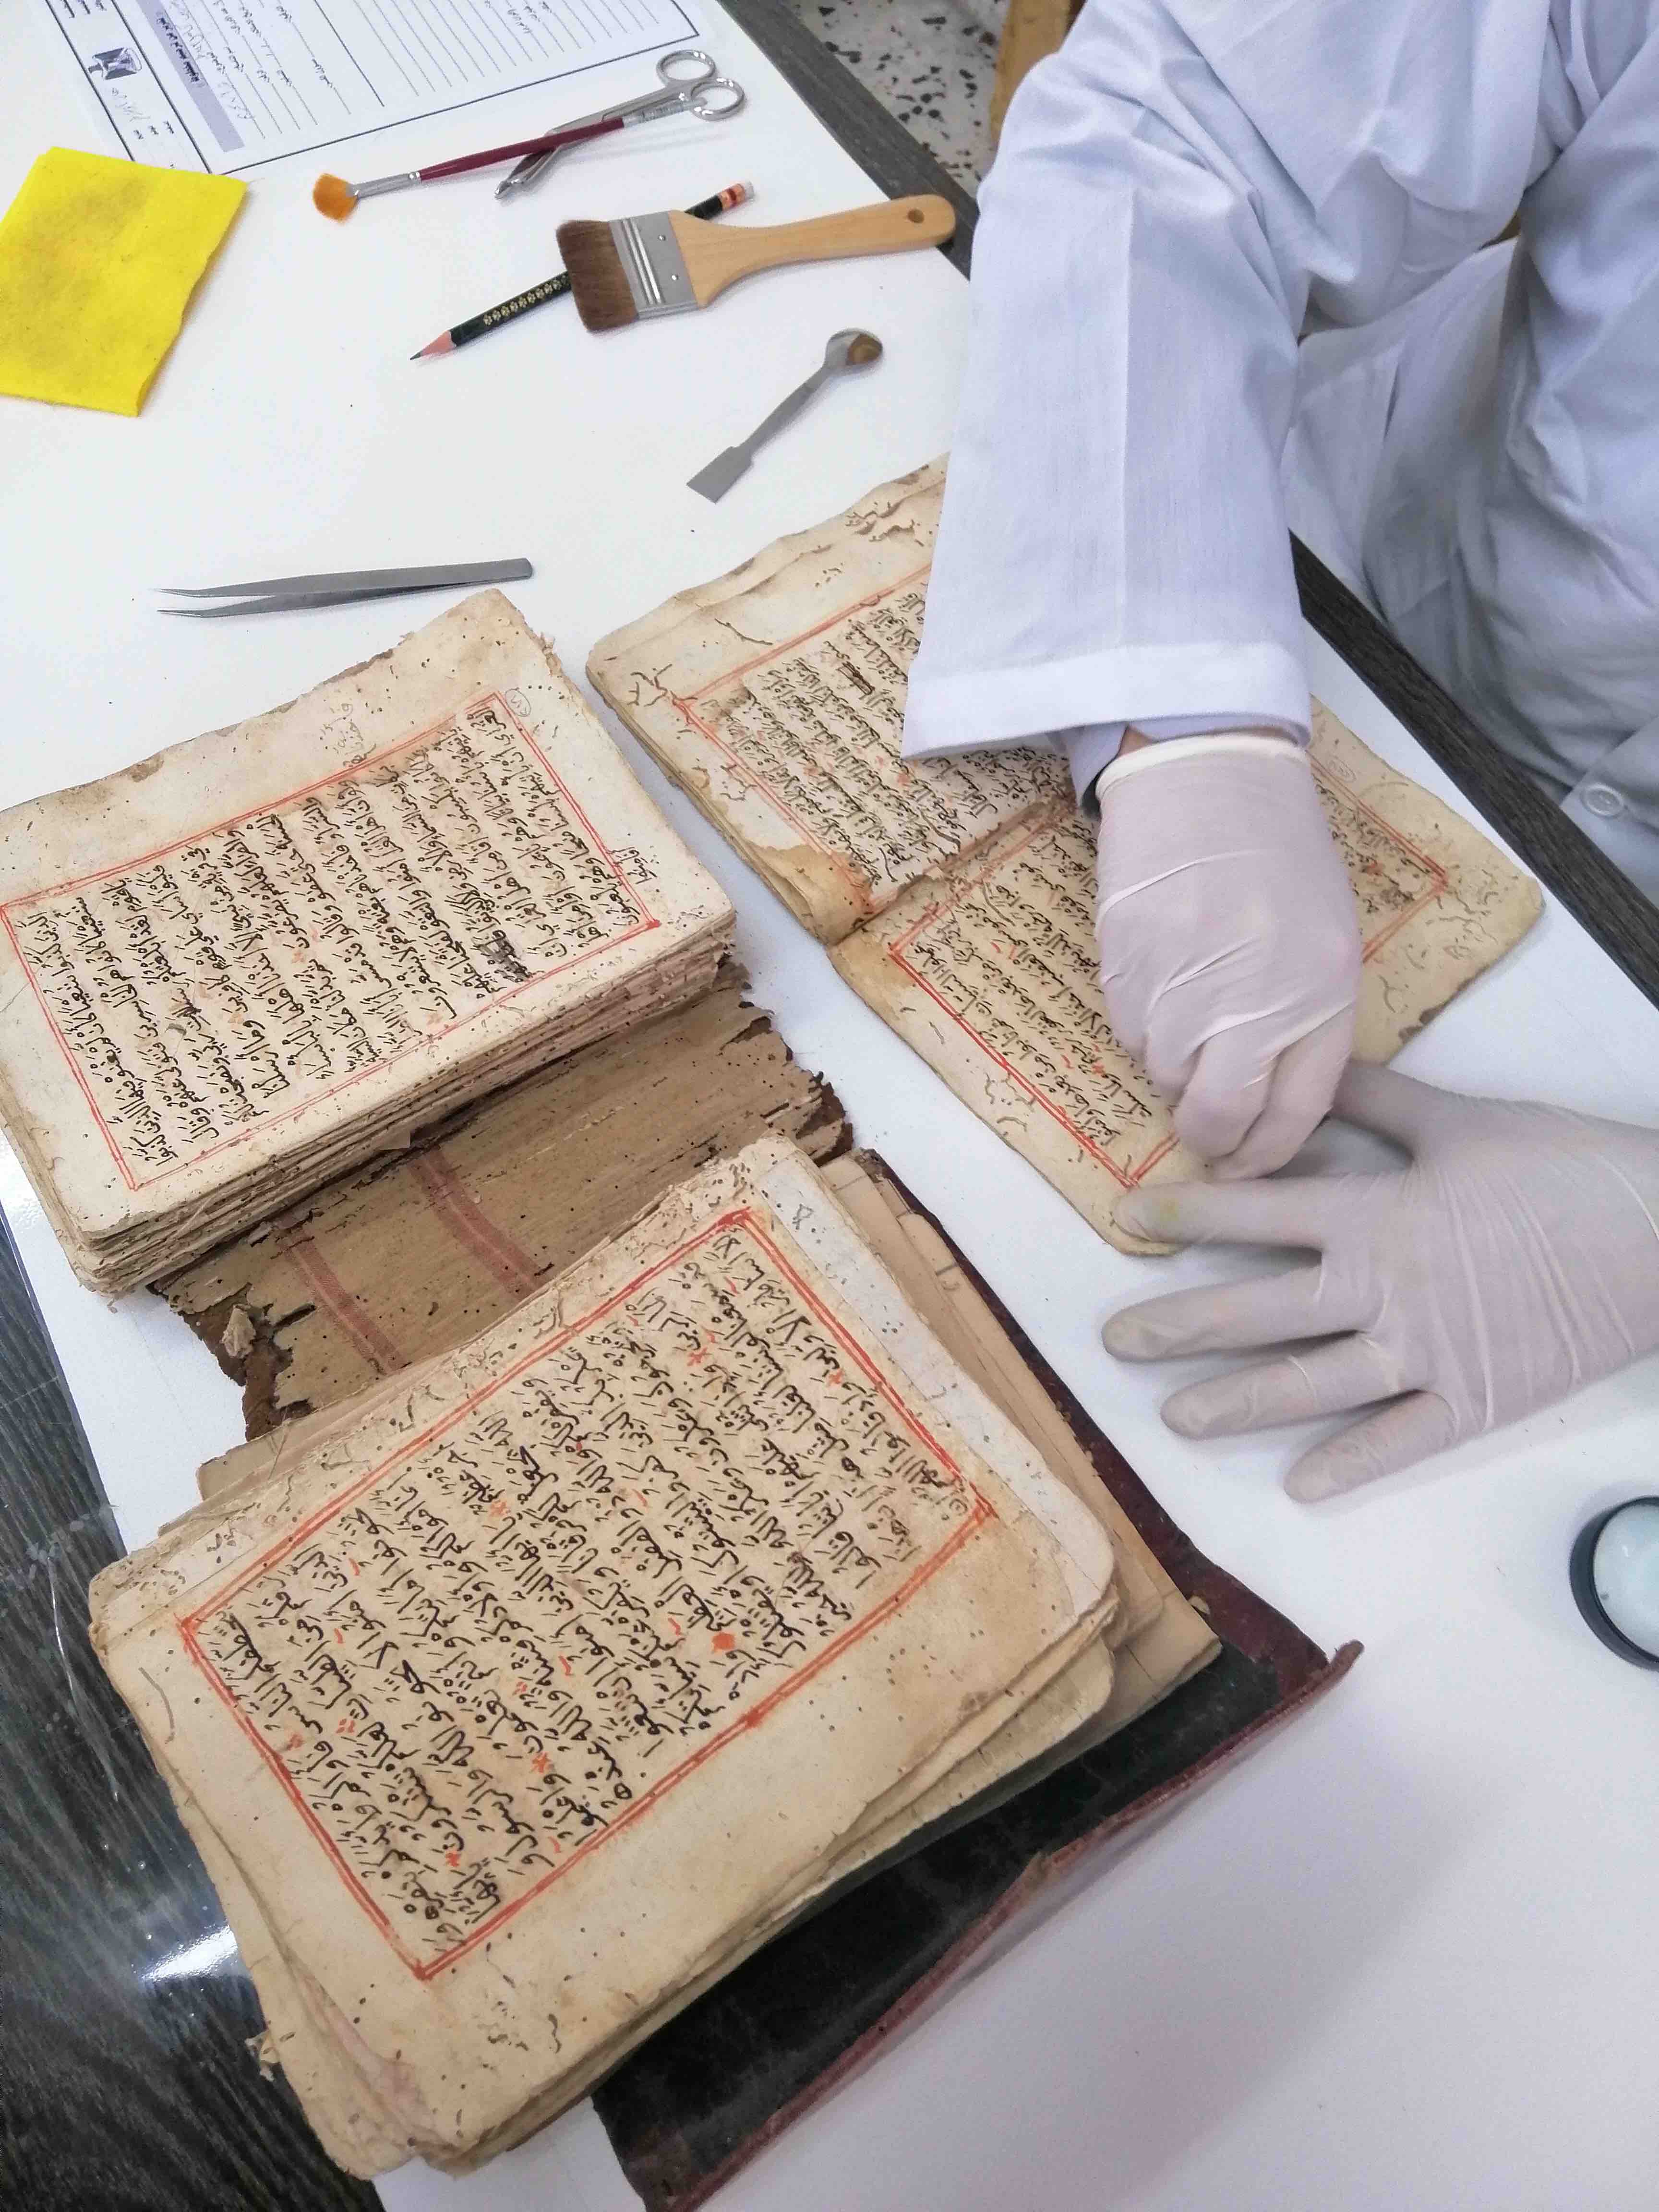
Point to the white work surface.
(1406, 1956)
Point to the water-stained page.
(246, 971)
(525, 1681)
(255, 940)
(776, 695)
(1438, 902)
(991, 971)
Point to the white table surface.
(1407, 1955)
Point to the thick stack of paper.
(957, 896)
(512, 1700)
(412, 1255)
(382, 1270)
(244, 965)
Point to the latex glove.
(1229, 941)
(1514, 1258)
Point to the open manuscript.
(515, 1699)
(255, 959)
(957, 896)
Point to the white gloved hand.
(1229, 941)
(1515, 1259)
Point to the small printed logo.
(114, 62)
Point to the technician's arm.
(1176, 189)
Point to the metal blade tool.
(847, 351)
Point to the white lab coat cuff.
(979, 709)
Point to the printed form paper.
(229, 85)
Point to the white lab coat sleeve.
(1176, 189)
(1509, 534)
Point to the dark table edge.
(1615, 915)
(1622, 921)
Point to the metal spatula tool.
(848, 349)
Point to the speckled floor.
(929, 61)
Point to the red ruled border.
(685, 706)
(896, 952)
(1127, 1178)
(647, 922)
(1440, 881)
(743, 1220)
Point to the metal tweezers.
(284, 593)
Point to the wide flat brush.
(671, 265)
(553, 288)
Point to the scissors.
(690, 84)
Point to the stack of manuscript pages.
(516, 1697)
(957, 896)
(251, 961)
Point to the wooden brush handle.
(716, 259)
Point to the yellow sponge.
(98, 260)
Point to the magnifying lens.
(1614, 1572)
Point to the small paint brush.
(555, 287)
(669, 264)
(333, 197)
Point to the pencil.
(554, 287)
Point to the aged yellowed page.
(957, 897)
(242, 964)
(1155, 1638)
(972, 1333)
(1148, 1657)
(511, 1698)
(990, 971)
(775, 696)
(387, 1266)
(1438, 902)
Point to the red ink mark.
(332, 1294)
(978, 1515)
(644, 922)
(1127, 1176)
(469, 1224)
(452, 1859)
(725, 1640)
(739, 767)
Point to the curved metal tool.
(846, 349)
(690, 84)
